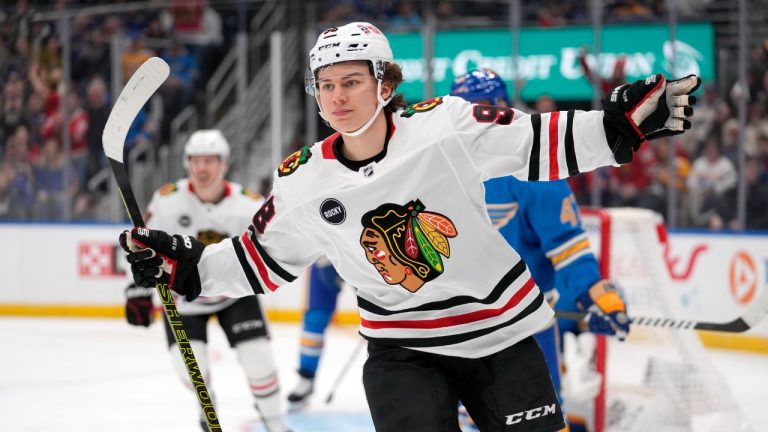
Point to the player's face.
(206, 170)
(378, 254)
(347, 94)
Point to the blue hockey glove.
(607, 313)
(647, 109)
(156, 256)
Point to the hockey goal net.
(659, 379)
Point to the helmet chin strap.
(381, 104)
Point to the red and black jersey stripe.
(511, 276)
(460, 337)
(553, 145)
(267, 270)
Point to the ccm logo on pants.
(531, 414)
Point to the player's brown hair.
(393, 74)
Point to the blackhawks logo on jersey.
(292, 162)
(167, 189)
(427, 105)
(404, 243)
(209, 237)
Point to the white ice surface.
(82, 375)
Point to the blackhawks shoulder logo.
(167, 189)
(292, 162)
(405, 243)
(427, 105)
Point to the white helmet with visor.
(350, 42)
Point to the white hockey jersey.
(411, 231)
(175, 208)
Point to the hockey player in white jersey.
(209, 208)
(395, 201)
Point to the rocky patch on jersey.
(185, 220)
(427, 105)
(209, 237)
(404, 243)
(294, 161)
(333, 212)
(167, 189)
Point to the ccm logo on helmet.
(330, 45)
(531, 414)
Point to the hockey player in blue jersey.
(322, 293)
(541, 221)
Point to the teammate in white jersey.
(211, 209)
(395, 201)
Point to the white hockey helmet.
(350, 42)
(206, 142)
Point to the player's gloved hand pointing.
(647, 109)
(607, 313)
(156, 256)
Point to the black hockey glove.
(138, 305)
(647, 109)
(156, 256)
(607, 312)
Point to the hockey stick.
(344, 370)
(137, 91)
(755, 313)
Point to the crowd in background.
(36, 180)
(191, 35)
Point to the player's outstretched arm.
(607, 312)
(647, 109)
(156, 255)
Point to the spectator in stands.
(762, 146)
(18, 59)
(405, 17)
(23, 142)
(630, 11)
(606, 85)
(91, 56)
(6, 174)
(629, 184)
(139, 135)
(177, 90)
(703, 123)
(49, 57)
(21, 187)
(711, 175)
(199, 26)
(729, 137)
(97, 107)
(656, 195)
(53, 126)
(445, 11)
(757, 125)
(52, 196)
(46, 87)
(135, 54)
(544, 104)
(726, 210)
(13, 104)
(551, 14)
(34, 117)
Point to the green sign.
(548, 61)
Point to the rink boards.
(79, 270)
